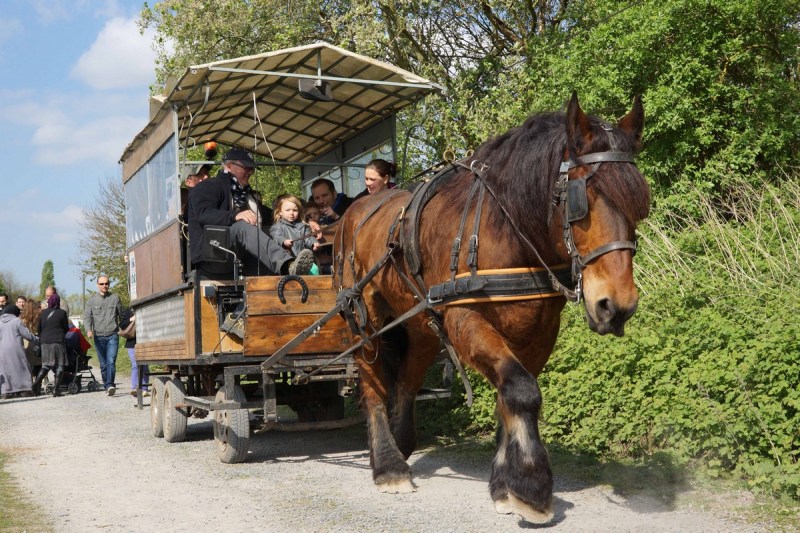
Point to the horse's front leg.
(390, 472)
(412, 349)
(521, 479)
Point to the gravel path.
(90, 462)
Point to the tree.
(48, 277)
(719, 78)
(12, 287)
(102, 245)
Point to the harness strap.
(472, 258)
(602, 157)
(455, 251)
(597, 252)
(488, 285)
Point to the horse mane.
(522, 166)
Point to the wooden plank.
(162, 350)
(266, 334)
(268, 303)
(270, 283)
(213, 340)
(167, 270)
(158, 262)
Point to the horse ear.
(633, 123)
(579, 130)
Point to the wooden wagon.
(319, 107)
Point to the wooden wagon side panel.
(266, 334)
(158, 262)
(213, 339)
(162, 350)
(271, 323)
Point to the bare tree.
(101, 248)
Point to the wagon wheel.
(74, 387)
(231, 429)
(157, 406)
(174, 417)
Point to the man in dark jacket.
(228, 200)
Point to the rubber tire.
(231, 429)
(92, 386)
(74, 388)
(174, 421)
(157, 406)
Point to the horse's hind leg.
(521, 479)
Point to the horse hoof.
(503, 506)
(402, 486)
(530, 513)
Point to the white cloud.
(77, 128)
(54, 11)
(50, 11)
(64, 143)
(120, 57)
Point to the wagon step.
(208, 403)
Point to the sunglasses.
(104, 284)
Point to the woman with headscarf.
(53, 327)
(15, 372)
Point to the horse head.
(602, 198)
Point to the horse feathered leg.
(419, 352)
(390, 472)
(521, 479)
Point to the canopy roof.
(248, 100)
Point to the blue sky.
(74, 88)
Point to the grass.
(16, 512)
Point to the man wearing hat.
(228, 200)
(192, 175)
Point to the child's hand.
(287, 244)
(315, 246)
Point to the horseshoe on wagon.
(286, 279)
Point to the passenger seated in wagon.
(228, 200)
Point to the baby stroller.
(77, 365)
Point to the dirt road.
(90, 462)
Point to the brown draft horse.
(508, 339)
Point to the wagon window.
(151, 195)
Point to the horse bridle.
(570, 196)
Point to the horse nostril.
(605, 309)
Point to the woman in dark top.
(53, 327)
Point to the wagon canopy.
(255, 102)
